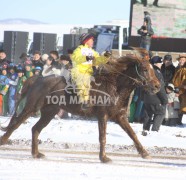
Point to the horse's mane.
(117, 66)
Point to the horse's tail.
(26, 86)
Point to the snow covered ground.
(71, 148)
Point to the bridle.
(142, 82)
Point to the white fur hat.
(170, 85)
(45, 57)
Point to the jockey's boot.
(95, 72)
(86, 105)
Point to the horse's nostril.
(144, 83)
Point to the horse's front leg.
(123, 122)
(102, 124)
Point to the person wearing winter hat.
(172, 107)
(37, 61)
(66, 67)
(170, 87)
(3, 58)
(85, 60)
(4, 86)
(154, 105)
(4, 66)
(181, 60)
(168, 69)
(64, 60)
(44, 57)
(12, 75)
(20, 82)
(37, 70)
(28, 69)
(156, 60)
(19, 70)
(179, 81)
(23, 56)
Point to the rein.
(135, 80)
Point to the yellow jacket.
(79, 59)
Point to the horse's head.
(138, 69)
(145, 75)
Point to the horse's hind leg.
(15, 122)
(123, 122)
(47, 113)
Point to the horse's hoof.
(145, 155)
(38, 156)
(2, 142)
(105, 159)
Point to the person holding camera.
(84, 61)
(146, 32)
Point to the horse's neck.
(109, 79)
(127, 78)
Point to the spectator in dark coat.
(167, 69)
(37, 61)
(154, 105)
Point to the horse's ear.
(141, 53)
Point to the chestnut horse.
(110, 94)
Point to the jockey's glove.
(89, 58)
(107, 54)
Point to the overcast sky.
(66, 11)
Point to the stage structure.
(168, 23)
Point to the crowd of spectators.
(13, 76)
(169, 104)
